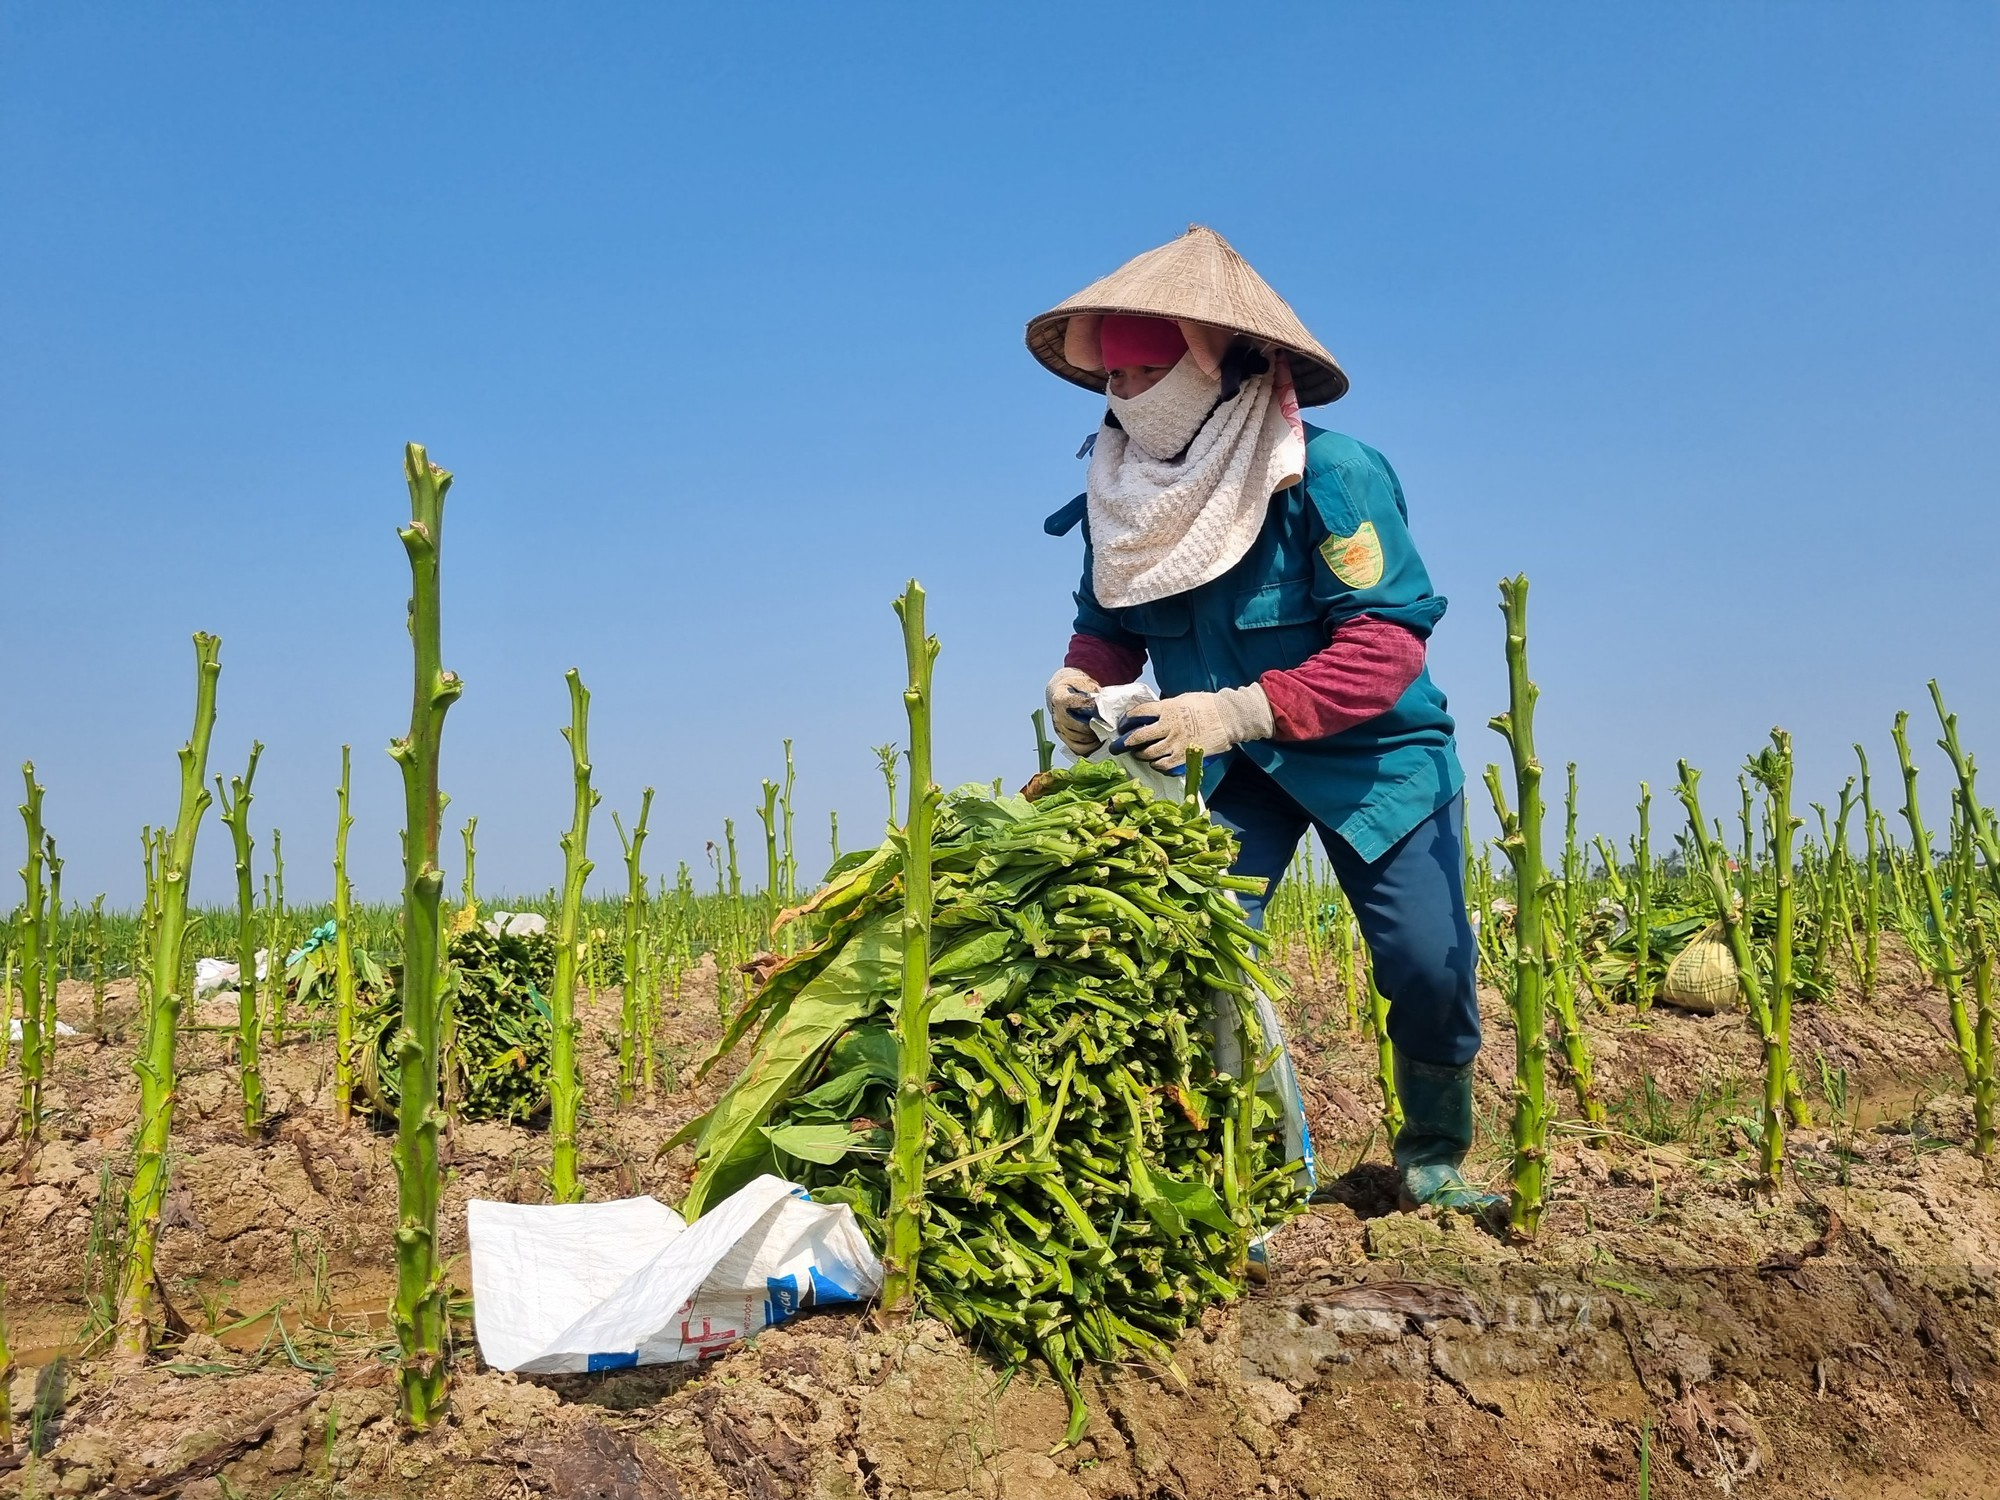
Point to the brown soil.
(1839, 1341)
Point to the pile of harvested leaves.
(1096, 1173)
(497, 1029)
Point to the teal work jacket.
(1335, 546)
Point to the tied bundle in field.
(497, 1028)
(1098, 1159)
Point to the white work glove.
(1161, 733)
(1072, 700)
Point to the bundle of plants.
(1099, 1158)
(497, 1029)
(312, 972)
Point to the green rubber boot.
(1436, 1134)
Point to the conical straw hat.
(1200, 282)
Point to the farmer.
(1266, 568)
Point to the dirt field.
(1843, 1341)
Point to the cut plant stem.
(173, 866)
(51, 971)
(343, 950)
(1773, 769)
(631, 1018)
(419, 1308)
(249, 1022)
(565, 1079)
(1944, 963)
(790, 863)
(276, 944)
(1642, 904)
(32, 946)
(1714, 868)
(1561, 994)
(1980, 824)
(1045, 748)
(774, 867)
(97, 966)
(1871, 915)
(886, 759)
(904, 1230)
(468, 890)
(1980, 952)
(1521, 841)
(1377, 1016)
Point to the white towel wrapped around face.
(1163, 526)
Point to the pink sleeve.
(1107, 661)
(1360, 673)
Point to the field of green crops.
(1009, 1080)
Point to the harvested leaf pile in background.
(496, 1056)
(1094, 1178)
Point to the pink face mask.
(1125, 340)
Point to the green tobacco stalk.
(172, 867)
(1714, 869)
(36, 1036)
(1871, 893)
(419, 1311)
(1377, 1017)
(1350, 970)
(6, 993)
(1979, 819)
(51, 920)
(1521, 841)
(632, 1010)
(904, 1230)
(1980, 953)
(1642, 903)
(774, 866)
(1944, 962)
(97, 966)
(343, 950)
(565, 1080)
(249, 1024)
(1841, 861)
(789, 865)
(1561, 992)
(276, 944)
(886, 759)
(1773, 769)
(1045, 748)
(1980, 832)
(155, 840)
(1572, 872)
(1746, 867)
(468, 891)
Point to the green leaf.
(824, 1144)
(1196, 1201)
(847, 990)
(974, 953)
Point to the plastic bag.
(14, 1032)
(1113, 703)
(1279, 1082)
(213, 975)
(516, 924)
(602, 1286)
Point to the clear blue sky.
(1687, 311)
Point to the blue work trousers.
(1410, 904)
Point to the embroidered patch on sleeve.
(1356, 560)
